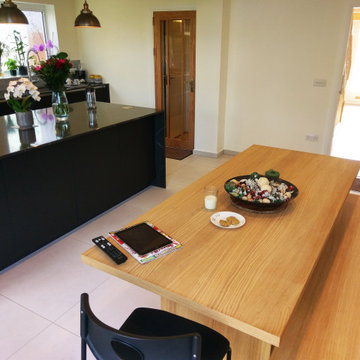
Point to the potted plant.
(12, 65)
(20, 95)
(20, 49)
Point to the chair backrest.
(107, 343)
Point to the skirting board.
(215, 155)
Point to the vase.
(25, 119)
(60, 105)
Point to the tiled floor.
(39, 297)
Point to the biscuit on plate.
(232, 220)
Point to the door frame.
(159, 16)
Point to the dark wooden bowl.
(257, 206)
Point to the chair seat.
(153, 322)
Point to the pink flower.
(49, 44)
(35, 49)
(41, 47)
(37, 68)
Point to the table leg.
(244, 347)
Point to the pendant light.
(10, 14)
(87, 18)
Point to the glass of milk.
(210, 197)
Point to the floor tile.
(54, 343)
(112, 302)
(150, 198)
(173, 165)
(117, 218)
(50, 282)
(17, 326)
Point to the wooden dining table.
(244, 282)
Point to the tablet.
(142, 238)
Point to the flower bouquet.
(20, 95)
(54, 71)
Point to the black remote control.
(109, 249)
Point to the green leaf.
(62, 55)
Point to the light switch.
(319, 82)
(312, 137)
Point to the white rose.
(7, 96)
(12, 83)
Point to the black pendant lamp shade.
(87, 18)
(10, 14)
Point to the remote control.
(109, 249)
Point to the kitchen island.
(56, 176)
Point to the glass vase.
(60, 105)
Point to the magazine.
(152, 255)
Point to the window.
(41, 23)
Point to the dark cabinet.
(48, 190)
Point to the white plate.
(222, 215)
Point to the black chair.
(150, 334)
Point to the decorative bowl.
(256, 206)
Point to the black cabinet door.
(112, 165)
(95, 172)
(6, 257)
(42, 205)
(138, 138)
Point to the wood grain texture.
(243, 346)
(328, 327)
(250, 278)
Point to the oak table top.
(250, 278)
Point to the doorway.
(174, 51)
(345, 141)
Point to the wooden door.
(347, 68)
(174, 51)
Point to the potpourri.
(260, 189)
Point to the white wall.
(208, 76)
(276, 49)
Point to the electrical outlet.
(312, 137)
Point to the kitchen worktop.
(73, 93)
(47, 130)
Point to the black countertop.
(47, 130)
(45, 91)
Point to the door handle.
(192, 85)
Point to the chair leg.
(83, 349)
(228, 354)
